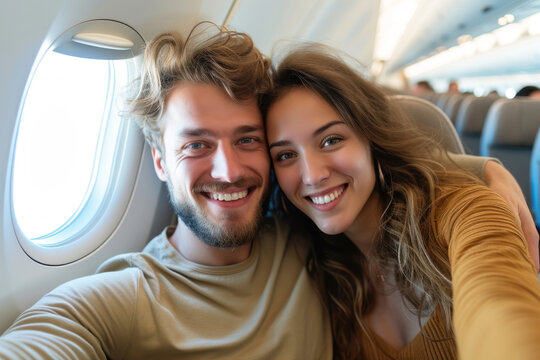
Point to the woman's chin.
(330, 228)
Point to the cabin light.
(509, 18)
(464, 38)
(418, 68)
(468, 49)
(485, 42)
(506, 19)
(376, 67)
(436, 61)
(391, 24)
(532, 23)
(510, 93)
(454, 54)
(105, 41)
(509, 33)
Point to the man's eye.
(195, 149)
(194, 146)
(332, 140)
(246, 140)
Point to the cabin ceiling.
(350, 25)
(439, 23)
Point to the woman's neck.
(363, 231)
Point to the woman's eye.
(331, 141)
(284, 156)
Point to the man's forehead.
(205, 97)
(208, 109)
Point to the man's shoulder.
(154, 252)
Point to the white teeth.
(319, 200)
(229, 196)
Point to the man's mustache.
(220, 186)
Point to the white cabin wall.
(24, 25)
(348, 25)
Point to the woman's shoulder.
(471, 206)
(467, 195)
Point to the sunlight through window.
(64, 115)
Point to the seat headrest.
(472, 114)
(431, 120)
(512, 122)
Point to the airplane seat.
(387, 90)
(429, 96)
(535, 179)
(431, 120)
(452, 105)
(509, 134)
(470, 121)
(442, 99)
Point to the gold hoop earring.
(381, 175)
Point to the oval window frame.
(103, 209)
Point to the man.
(226, 282)
(222, 284)
(453, 87)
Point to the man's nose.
(314, 170)
(226, 165)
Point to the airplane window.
(68, 174)
(66, 111)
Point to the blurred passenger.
(529, 91)
(453, 87)
(422, 87)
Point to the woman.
(398, 257)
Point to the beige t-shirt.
(158, 305)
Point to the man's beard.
(214, 234)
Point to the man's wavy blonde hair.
(209, 55)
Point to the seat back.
(470, 121)
(431, 120)
(509, 134)
(442, 99)
(452, 106)
(535, 179)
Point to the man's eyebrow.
(315, 133)
(195, 132)
(247, 129)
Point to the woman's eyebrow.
(279, 143)
(315, 133)
(327, 126)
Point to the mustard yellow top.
(496, 293)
